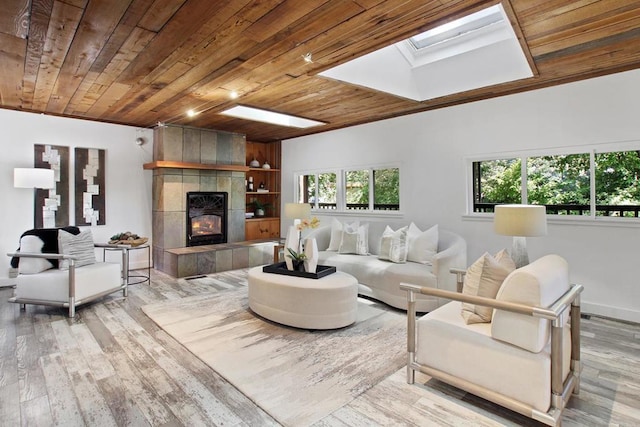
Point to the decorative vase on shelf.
(266, 166)
(254, 163)
(311, 251)
(293, 242)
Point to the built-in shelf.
(261, 218)
(202, 166)
(259, 193)
(264, 170)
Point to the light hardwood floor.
(111, 365)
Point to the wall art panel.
(90, 186)
(52, 206)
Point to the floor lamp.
(33, 178)
(520, 221)
(36, 178)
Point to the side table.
(126, 275)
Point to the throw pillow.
(505, 260)
(483, 279)
(355, 240)
(32, 244)
(393, 245)
(336, 233)
(423, 245)
(80, 246)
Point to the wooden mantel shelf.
(187, 165)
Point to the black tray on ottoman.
(281, 268)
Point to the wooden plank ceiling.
(140, 62)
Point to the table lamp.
(297, 211)
(520, 221)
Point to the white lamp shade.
(297, 210)
(33, 178)
(520, 220)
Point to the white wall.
(433, 149)
(128, 187)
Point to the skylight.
(476, 51)
(271, 117)
(462, 26)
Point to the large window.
(587, 184)
(364, 189)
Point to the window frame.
(591, 150)
(341, 180)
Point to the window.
(617, 177)
(320, 190)
(367, 189)
(385, 195)
(563, 183)
(496, 181)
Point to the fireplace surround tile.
(240, 258)
(224, 259)
(178, 143)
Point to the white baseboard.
(609, 311)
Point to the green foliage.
(500, 181)
(558, 180)
(618, 178)
(357, 188)
(562, 179)
(386, 186)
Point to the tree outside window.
(563, 183)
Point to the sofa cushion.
(539, 284)
(423, 245)
(80, 246)
(483, 279)
(394, 245)
(53, 285)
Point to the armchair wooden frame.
(560, 390)
(72, 302)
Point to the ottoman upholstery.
(327, 303)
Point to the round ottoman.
(327, 303)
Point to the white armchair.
(526, 359)
(66, 277)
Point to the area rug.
(297, 376)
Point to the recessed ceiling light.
(265, 116)
(191, 113)
(233, 94)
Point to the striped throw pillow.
(80, 246)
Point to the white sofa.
(380, 279)
(526, 359)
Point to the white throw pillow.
(32, 244)
(483, 279)
(336, 233)
(393, 245)
(80, 245)
(423, 245)
(355, 240)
